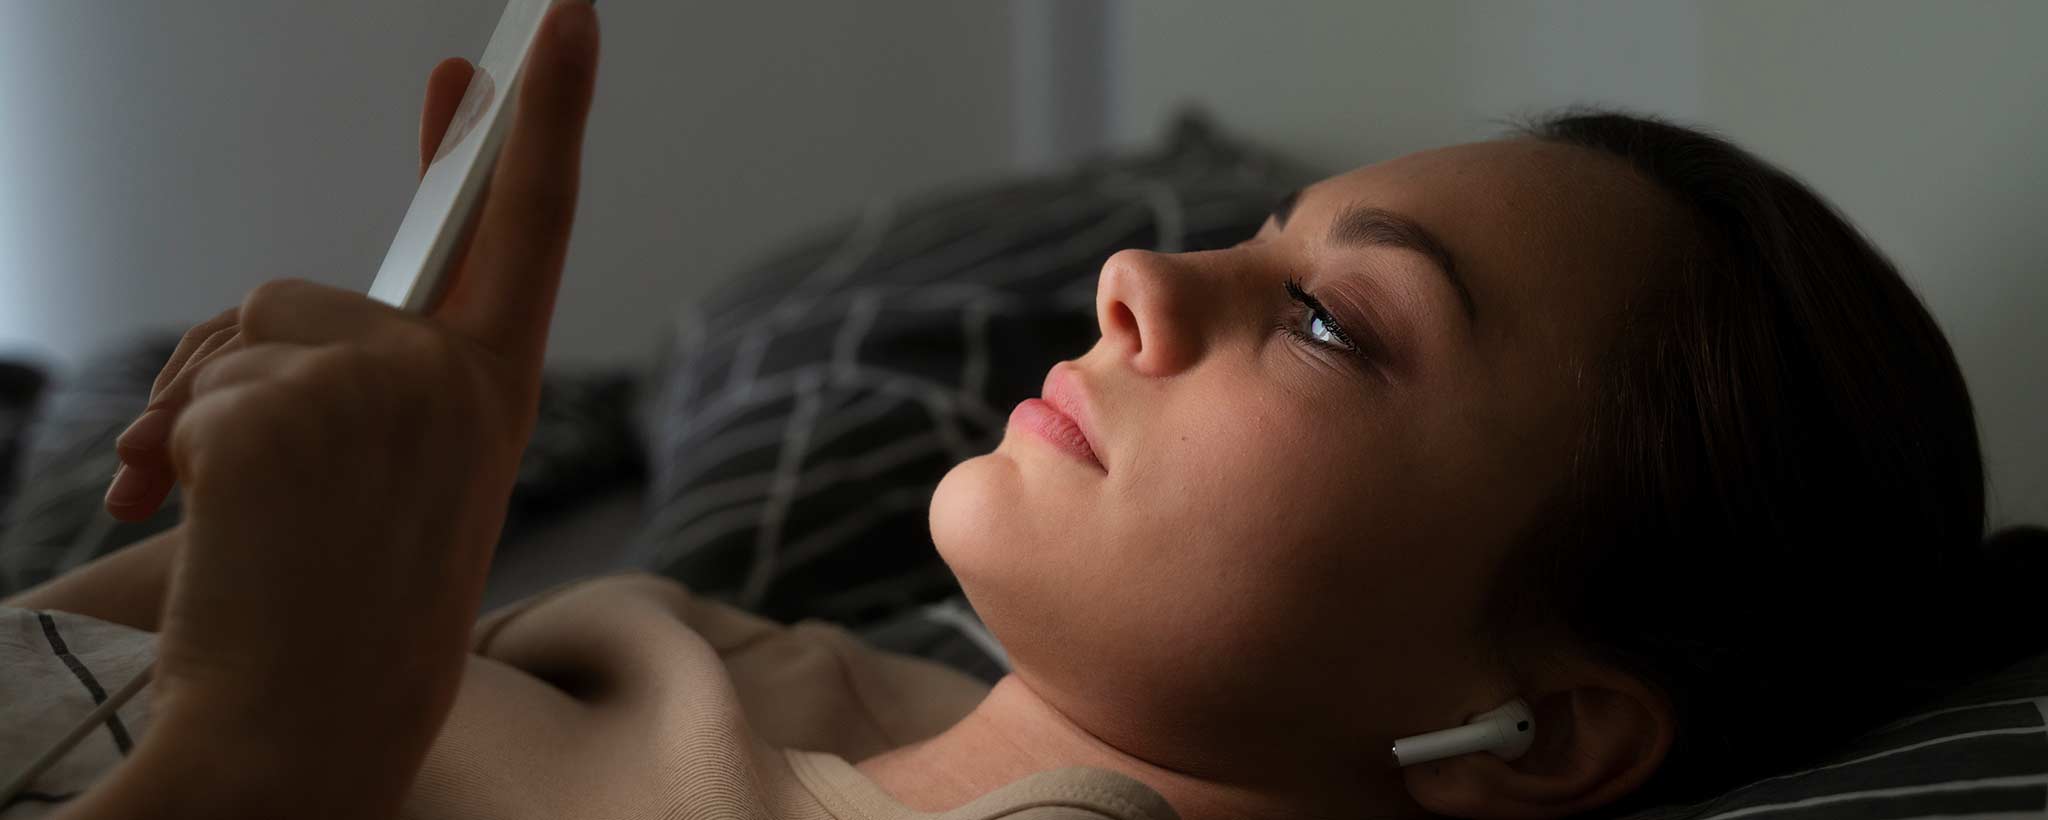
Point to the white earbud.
(1507, 732)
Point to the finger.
(212, 420)
(249, 364)
(173, 392)
(141, 445)
(505, 292)
(445, 87)
(186, 346)
(144, 478)
(136, 493)
(302, 312)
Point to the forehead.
(1550, 238)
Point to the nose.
(1145, 303)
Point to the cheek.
(1260, 539)
(1259, 511)
(1248, 551)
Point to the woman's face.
(1310, 451)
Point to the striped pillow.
(55, 520)
(1982, 752)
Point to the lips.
(1061, 415)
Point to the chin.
(970, 510)
(982, 521)
(1016, 527)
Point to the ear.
(1600, 734)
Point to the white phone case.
(417, 262)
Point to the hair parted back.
(1777, 509)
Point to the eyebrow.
(1359, 225)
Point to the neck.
(1015, 732)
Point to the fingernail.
(148, 430)
(128, 488)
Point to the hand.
(145, 477)
(345, 469)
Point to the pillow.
(20, 385)
(56, 520)
(801, 415)
(583, 448)
(1981, 752)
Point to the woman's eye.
(1319, 329)
(1316, 324)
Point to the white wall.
(159, 159)
(1923, 122)
(1341, 82)
(1926, 123)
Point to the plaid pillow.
(20, 385)
(55, 521)
(1982, 752)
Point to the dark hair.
(1779, 497)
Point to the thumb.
(445, 87)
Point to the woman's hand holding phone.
(345, 468)
(145, 477)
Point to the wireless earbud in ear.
(1507, 732)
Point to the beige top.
(628, 697)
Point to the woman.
(1585, 417)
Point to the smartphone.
(416, 266)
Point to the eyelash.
(1316, 310)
